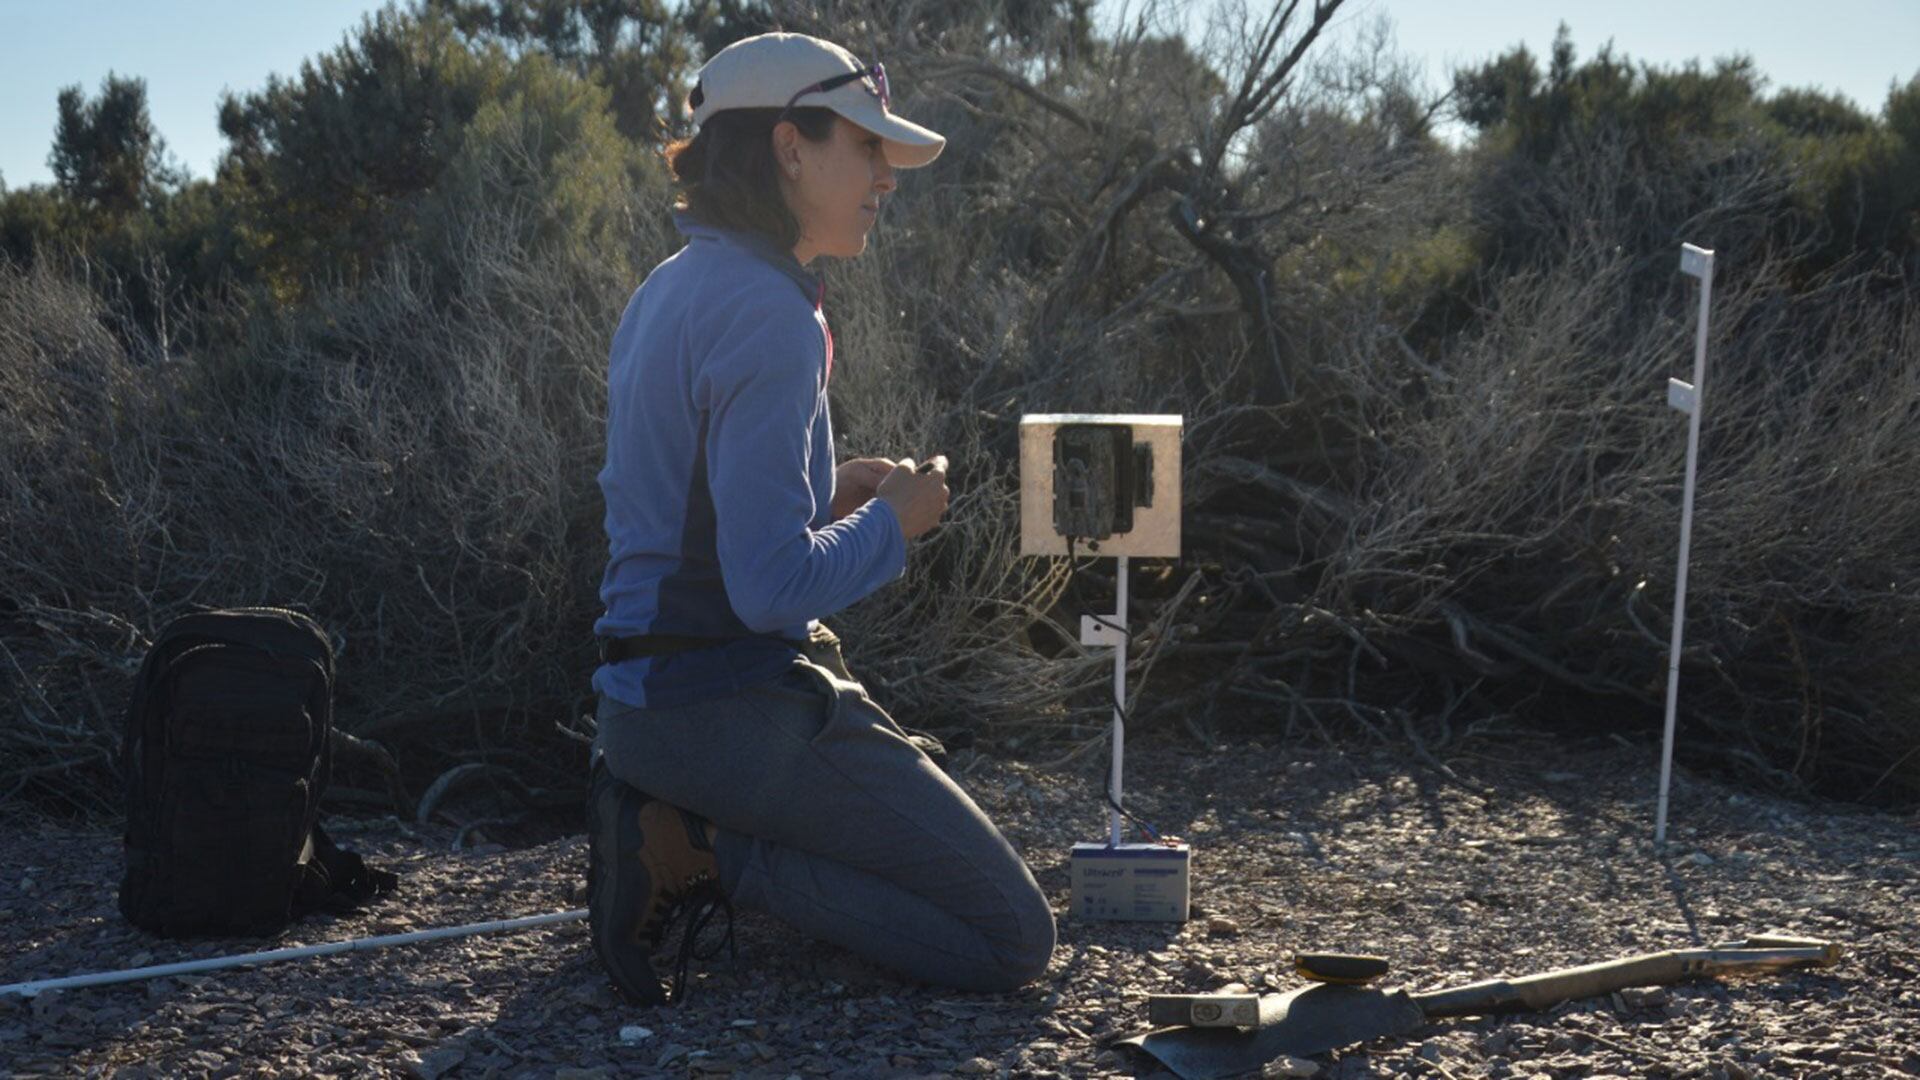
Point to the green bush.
(325, 170)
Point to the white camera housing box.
(1145, 451)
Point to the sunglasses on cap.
(875, 79)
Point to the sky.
(190, 51)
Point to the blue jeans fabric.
(830, 820)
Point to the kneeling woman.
(737, 760)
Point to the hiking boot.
(645, 860)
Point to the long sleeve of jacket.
(763, 390)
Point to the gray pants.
(833, 822)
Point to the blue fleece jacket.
(719, 474)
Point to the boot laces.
(701, 901)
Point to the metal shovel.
(1327, 1017)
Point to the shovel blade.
(1300, 1023)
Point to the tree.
(323, 167)
(1857, 173)
(1812, 112)
(716, 24)
(541, 176)
(1675, 144)
(31, 219)
(634, 48)
(1032, 27)
(106, 156)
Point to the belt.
(613, 650)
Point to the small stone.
(1221, 926)
(1288, 1066)
(1700, 858)
(434, 1063)
(596, 994)
(570, 1072)
(633, 1033)
(975, 1067)
(1429, 1051)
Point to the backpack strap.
(335, 879)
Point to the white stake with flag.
(1688, 398)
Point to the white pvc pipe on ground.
(29, 989)
(1697, 262)
(1119, 700)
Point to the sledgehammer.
(1326, 1017)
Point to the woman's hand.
(918, 495)
(856, 481)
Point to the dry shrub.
(75, 505)
(957, 652)
(1516, 535)
(417, 473)
(1530, 508)
(1033, 270)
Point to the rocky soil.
(1514, 855)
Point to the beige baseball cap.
(767, 70)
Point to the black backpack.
(227, 749)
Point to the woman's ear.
(786, 148)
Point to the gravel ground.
(1522, 856)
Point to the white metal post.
(1688, 398)
(1119, 700)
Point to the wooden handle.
(1544, 991)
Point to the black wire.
(1115, 803)
(1073, 567)
(1151, 832)
(1120, 710)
